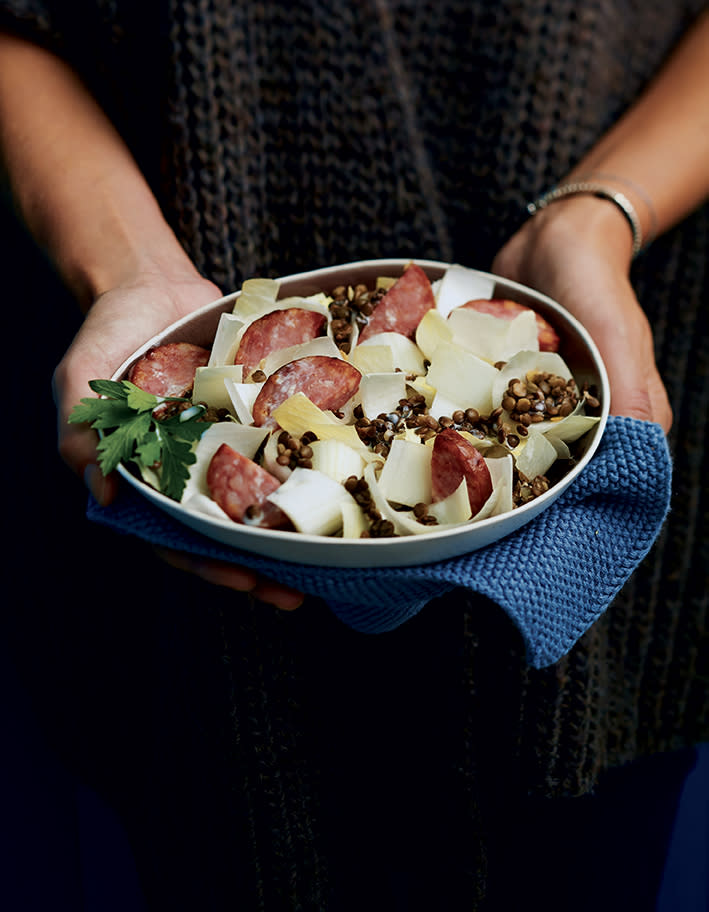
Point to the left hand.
(577, 251)
(118, 322)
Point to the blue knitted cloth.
(554, 577)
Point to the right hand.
(578, 252)
(119, 322)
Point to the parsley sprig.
(130, 432)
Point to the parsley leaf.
(176, 456)
(133, 432)
(184, 429)
(114, 389)
(118, 446)
(101, 413)
(139, 399)
(148, 452)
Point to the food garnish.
(161, 446)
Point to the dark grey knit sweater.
(280, 137)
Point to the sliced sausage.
(453, 459)
(328, 382)
(508, 310)
(238, 484)
(276, 330)
(403, 306)
(169, 370)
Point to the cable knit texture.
(280, 137)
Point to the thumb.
(77, 442)
(647, 403)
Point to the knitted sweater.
(280, 137)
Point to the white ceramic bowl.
(577, 349)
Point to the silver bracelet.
(599, 190)
(603, 176)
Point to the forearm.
(73, 180)
(578, 248)
(658, 152)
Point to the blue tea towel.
(554, 577)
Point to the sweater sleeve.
(34, 20)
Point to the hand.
(577, 251)
(119, 322)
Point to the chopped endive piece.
(353, 520)
(318, 301)
(488, 508)
(373, 359)
(323, 345)
(245, 439)
(524, 361)
(410, 435)
(257, 296)
(151, 476)
(571, 428)
(299, 414)
(441, 405)
(462, 379)
(406, 476)
(226, 340)
(502, 483)
(209, 385)
(404, 522)
(460, 285)
(537, 457)
(562, 448)
(455, 508)
(312, 500)
(492, 338)
(522, 334)
(347, 434)
(336, 459)
(380, 393)
(406, 354)
(480, 443)
(433, 330)
(243, 396)
(240, 437)
(203, 503)
(566, 430)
